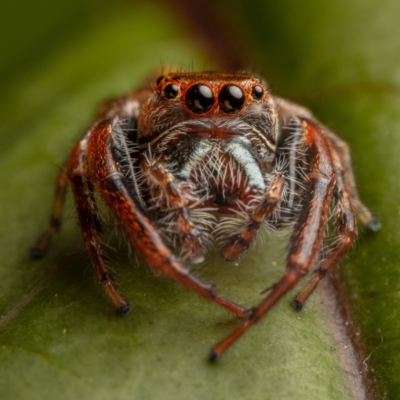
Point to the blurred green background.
(59, 337)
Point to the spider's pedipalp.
(239, 243)
(173, 198)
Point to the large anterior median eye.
(231, 99)
(199, 98)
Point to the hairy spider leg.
(343, 150)
(308, 232)
(89, 220)
(239, 243)
(122, 107)
(346, 226)
(42, 244)
(288, 110)
(139, 230)
(172, 193)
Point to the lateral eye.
(231, 99)
(171, 91)
(257, 92)
(199, 98)
(159, 79)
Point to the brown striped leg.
(307, 236)
(90, 223)
(343, 150)
(346, 225)
(139, 230)
(287, 110)
(41, 245)
(239, 243)
(165, 183)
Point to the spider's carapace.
(205, 157)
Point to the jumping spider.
(175, 160)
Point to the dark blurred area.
(32, 30)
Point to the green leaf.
(59, 336)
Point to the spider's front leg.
(346, 225)
(139, 230)
(164, 182)
(308, 233)
(125, 107)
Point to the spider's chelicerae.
(206, 155)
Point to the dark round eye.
(199, 98)
(231, 99)
(159, 79)
(171, 91)
(257, 92)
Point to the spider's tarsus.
(374, 225)
(124, 310)
(297, 305)
(213, 356)
(197, 260)
(231, 261)
(36, 253)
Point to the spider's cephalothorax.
(204, 156)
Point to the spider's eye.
(257, 92)
(171, 91)
(231, 99)
(199, 98)
(159, 79)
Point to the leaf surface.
(59, 337)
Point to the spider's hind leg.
(90, 222)
(344, 161)
(42, 244)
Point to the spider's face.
(216, 104)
